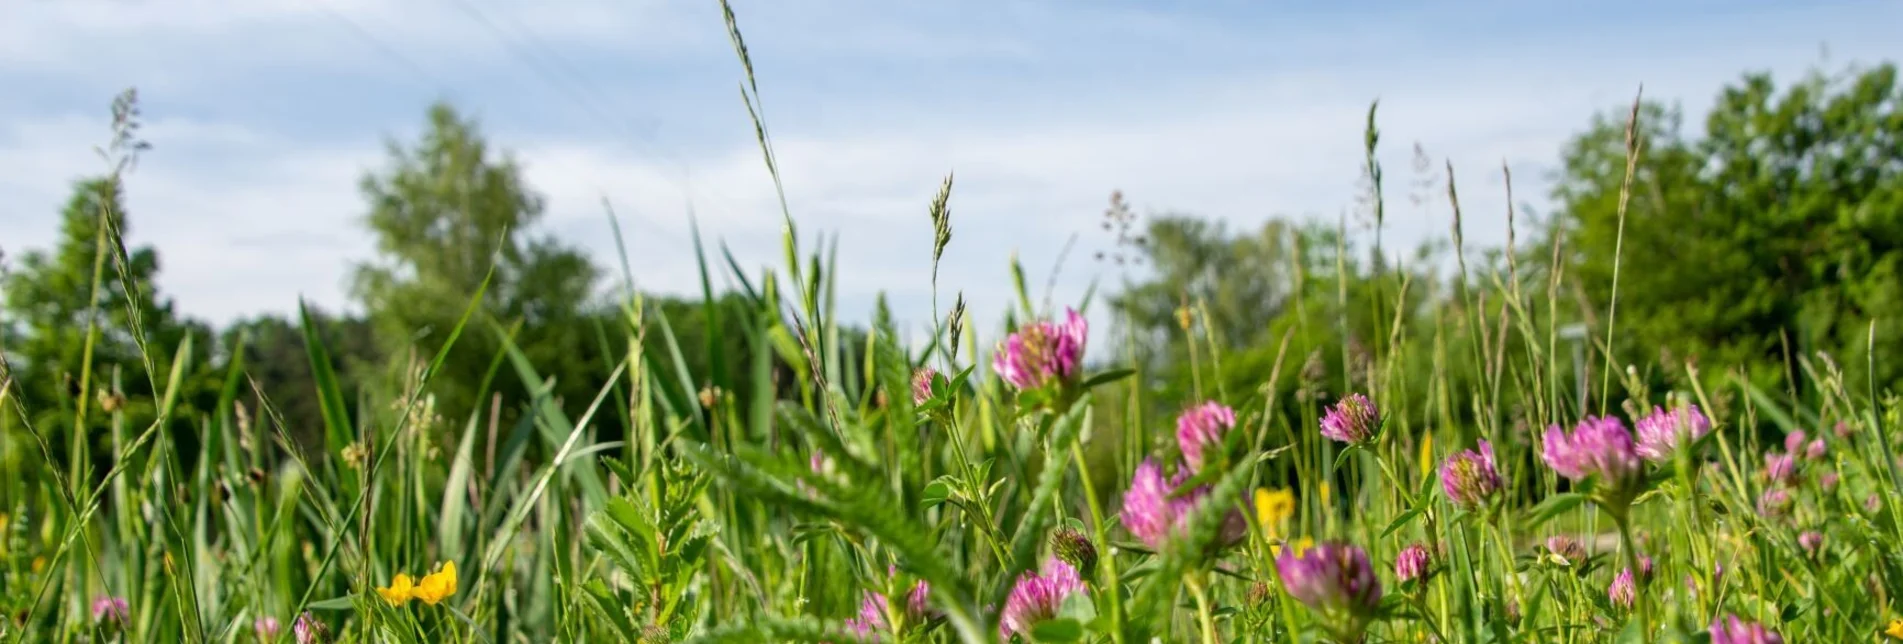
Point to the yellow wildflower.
(1301, 546)
(1324, 494)
(1895, 630)
(1273, 509)
(1427, 454)
(400, 590)
(437, 586)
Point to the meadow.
(1483, 457)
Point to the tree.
(444, 209)
(1779, 232)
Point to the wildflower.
(1352, 420)
(1298, 546)
(111, 610)
(310, 631)
(1336, 581)
(1774, 503)
(874, 607)
(1469, 478)
(1146, 506)
(1037, 597)
(1815, 450)
(401, 589)
(1566, 549)
(1843, 430)
(1794, 441)
(1664, 432)
(1731, 630)
(1811, 541)
(1150, 513)
(1201, 428)
(266, 628)
(1828, 481)
(437, 586)
(1072, 547)
(1412, 563)
(1042, 352)
(1780, 468)
(1623, 592)
(1872, 503)
(1896, 625)
(1597, 446)
(922, 384)
(1273, 508)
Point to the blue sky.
(265, 113)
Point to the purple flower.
(310, 631)
(1469, 478)
(1042, 352)
(1828, 481)
(922, 384)
(266, 627)
(1597, 446)
(1815, 450)
(1843, 430)
(1037, 597)
(1336, 581)
(1202, 427)
(1150, 513)
(873, 608)
(1774, 503)
(1794, 441)
(1780, 468)
(1352, 420)
(1664, 432)
(1567, 548)
(111, 610)
(1412, 563)
(1731, 630)
(1872, 503)
(1811, 540)
(1623, 592)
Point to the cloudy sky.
(263, 115)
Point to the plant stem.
(1194, 582)
(1638, 578)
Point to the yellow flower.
(437, 586)
(400, 590)
(1427, 454)
(1273, 509)
(1301, 546)
(1896, 629)
(1324, 494)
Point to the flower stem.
(1638, 577)
(1194, 582)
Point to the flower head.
(399, 591)
(1413, 563)
(1623, 592)
(310, 631)
(437, 586)
(1731, 630)
(1567, 549)
(1815, 449)
(1335, 580)
(1201, 428)
(1774, 503)
(1037, 597)
(1273, 508)
(1811, 541)
(1073, 547)
(1794, 441)
(1352, 420)
(1780, 468)
(266, 628)
(1150, 513)
(1828, 481)
(1664, 432)
(922, 384)
(1469, 478)
(111, 610)
(1042, 352)
(1597, 447)
(1896, 625)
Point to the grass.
(778, 518)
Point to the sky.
(264, 115)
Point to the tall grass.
(782, 518)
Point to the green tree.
(440, 213)
(1779, 232)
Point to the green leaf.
(1402, 521)
(1058, 630)
(1552, 507)
(1107, 377)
